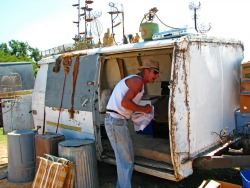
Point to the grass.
(3, 137)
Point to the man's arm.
(135, 85)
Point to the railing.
(58, 50)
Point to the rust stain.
(179, 60)
(75, 75)
(66, 63)
(213, 42)
(66, 59)
(186, 87)
(172, 110)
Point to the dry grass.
(3, 148)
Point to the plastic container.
(21, 156)
(242, 121)
(147, 131)
(245, 175)
(83, 154)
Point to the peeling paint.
(172, 112)
(184, 66)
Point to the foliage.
(6, 57)
(17, 51)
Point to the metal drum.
(21, 156)
(83, 154)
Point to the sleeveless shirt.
(116, 99)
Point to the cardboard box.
(244, 103)
(245, 86)
(218, 184)
(245, 70)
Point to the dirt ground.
(107, 177)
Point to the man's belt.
(109, 110)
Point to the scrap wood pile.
(54, 172)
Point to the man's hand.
(148, 108)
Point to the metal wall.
(204, 95)
(16, 76)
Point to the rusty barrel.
(83, 154)
(21, 156)
(47, 144)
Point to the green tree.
(35, 54)
(4, 48)
(18, 51)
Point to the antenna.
(77, 37)
(114, 14)
(87, 23)
(202, 28)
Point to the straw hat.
(150, 64)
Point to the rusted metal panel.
(84, 85)
(180, 112)
(244, 103)
(204, 96)
(46, 144)
(227, 161)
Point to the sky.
(45, 24)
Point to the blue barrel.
(83, 154)
(21, 156)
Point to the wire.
(146, 18)
(165, 24)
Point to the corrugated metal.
(83, 154)
(21, 156)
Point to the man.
(123, 102)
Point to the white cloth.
(118, 94)
(141, 120)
